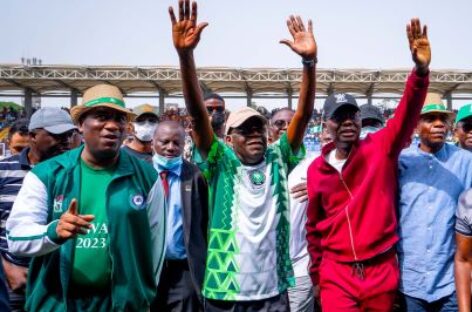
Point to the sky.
(243, 33)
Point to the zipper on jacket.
(357, 267)
(107, 210)
(349, 218)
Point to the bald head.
(169, 126)
(169, 139)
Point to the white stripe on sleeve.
(26, 225)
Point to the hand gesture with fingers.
(303, 43)
(185, 31)
(70, 224)
(419, 44)
(299, 192)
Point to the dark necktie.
(165, 183)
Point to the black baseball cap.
(369, 111)
(336, 101)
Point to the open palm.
(303, 43)
(185, 32)
(419, 43)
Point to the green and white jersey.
(248, 250)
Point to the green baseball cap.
(464, 112)
(434, 104)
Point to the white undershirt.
(336, 163)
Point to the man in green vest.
(88, 219)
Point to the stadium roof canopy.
(68, 80)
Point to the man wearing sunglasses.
(463, 128)
(352, 223)
(300, 295)
(248, 264)
(215, 106)
(214, 103)
(279, 122)
(49, 131)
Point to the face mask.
(166, 163)
(366, 130)
(145, 130)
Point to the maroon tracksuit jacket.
(352, 216)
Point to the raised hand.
(303, 43)
(185, 32)
(70, 224)
(419, 44)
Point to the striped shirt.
(12, 171)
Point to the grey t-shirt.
(464, 214)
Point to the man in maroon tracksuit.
(351, 227)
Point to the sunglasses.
(147, 118)
(62, 137)
(218, 109)
(247, 131)
(466, 127)
(345, 115)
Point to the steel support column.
(73, 97)
(290, 98)
(449, 101)
(28, 102)
(249, 97)
(162, 101)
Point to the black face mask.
(217, 120)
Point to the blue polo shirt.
(430, 185)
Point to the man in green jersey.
(84, 217)
(248, 265)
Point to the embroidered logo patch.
(340, 98)
(257, 177)
(137, 201)
(57, 204)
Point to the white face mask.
(144, 130)
(366, 130)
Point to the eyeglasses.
(62, 137)
(466, 126)
(247, 131)
(147, 118)
(339, 117)
(218, 109)
(281, 124)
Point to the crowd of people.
(104, 208)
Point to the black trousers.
(278, 303)
(176, 292)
